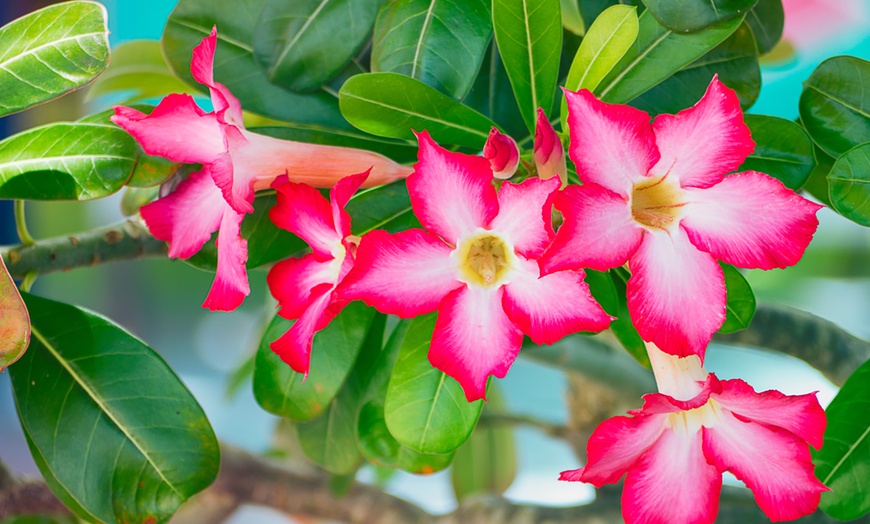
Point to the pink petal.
(800, 414)
(550, 307)
(294, 346)
(202, 69)
(474, 339)
(292, 280)
(340, 195)
(612, 145)
(525, 215)
(751, 220)
(662, 404)
(502, 153)
(236, 182)
(405, 274)
(699, 145)
(774, 464)
(616, 445)
(188, 216)
(451, 193)
(230, 285)
(548, 152)
(598, 231)
(176, 129)
(303, 211)
(676, 294)
(672, 483)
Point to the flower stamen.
(656, 203)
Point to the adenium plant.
(402, 191)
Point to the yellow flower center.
(484, 259)
(656, 203)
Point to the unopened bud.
(502, 153)
(549, 154)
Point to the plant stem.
(21, 224)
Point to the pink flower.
(676, 447)
(235, 163)
(502, 153)
(305, 287)
(548, 151)
(656, 196)
(476, 263)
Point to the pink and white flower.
(305, 287)
(548, 151)
(235, 164)
(675, 449)
(657, 196)
(502, 153)
(476, 263)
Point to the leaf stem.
(21, 224)
(28, 280)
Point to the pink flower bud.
(549, 155)
(502, 153)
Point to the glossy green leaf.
(572, 18)
(50, 52)
(376, 443)
(235, 65)
(108, 419)
(66, 161)
(835, 104)
(693, 15)
(849, 185)
(608, 289)
(303, 44)
(425, 409)
(529, 38)
(384, 207)
(40, 519)
(487, 462)
(608, 39)
(842, 462)
(492, 96)
(658, 53)
(735, 61)
(592, 9)
(783, 150)
(817, 183)
(398, 150)
(740, 307)
(439, 42)
(767, 20)
(392, 105)
(282, 391)
(137, 71)
(14, 320)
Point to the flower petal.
(176, 129)
(294, 346)
(525, 215)
(774, 464)
(236, 182)
(451, 193)
(611, 145)
(202, 69)
(672, 483)
(699, 145)
(548, 308)
(188, 216)
(292, 280)
(598, 231)
(230, 285)
(303, 211)
(474, 339)
(799, 414)
(676, 294)
(340, 195)
(751, 220)
(405, 274)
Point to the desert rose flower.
(235, 163)
(657, 196)
(548, 151)
(476, 264)
(674, 450)
(502, 153)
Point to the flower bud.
(549, 154)
(502, 153)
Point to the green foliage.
(572, 19)
(693, 15)
(492, 95)
(766, 19)
(50, 52)
(740, 307)
(608, 289)
(137, 71)
(783, 150)
(135, 444)
(849, 185)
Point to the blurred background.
(159, 300)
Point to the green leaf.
(658, 53)
(735, 61)
(376, 443)
(439, 42)
(766, 20)
(392, 105)
(693, 15)
(783, 150)
(608, 289)
(740, 307)
(398, 150)
(425, 409)
(40, 519)
(841, 464)
(66, 161)
(572, 19)
(608, 39)
(235, 66)
(492, 96)
(849, 185)
(303, 44)
(50, 52)
(137, 71)
(817, 183)
(384, 207)
(281, 391)
(108, 420)
(835, 105)
(14, 320)
(529, 38)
